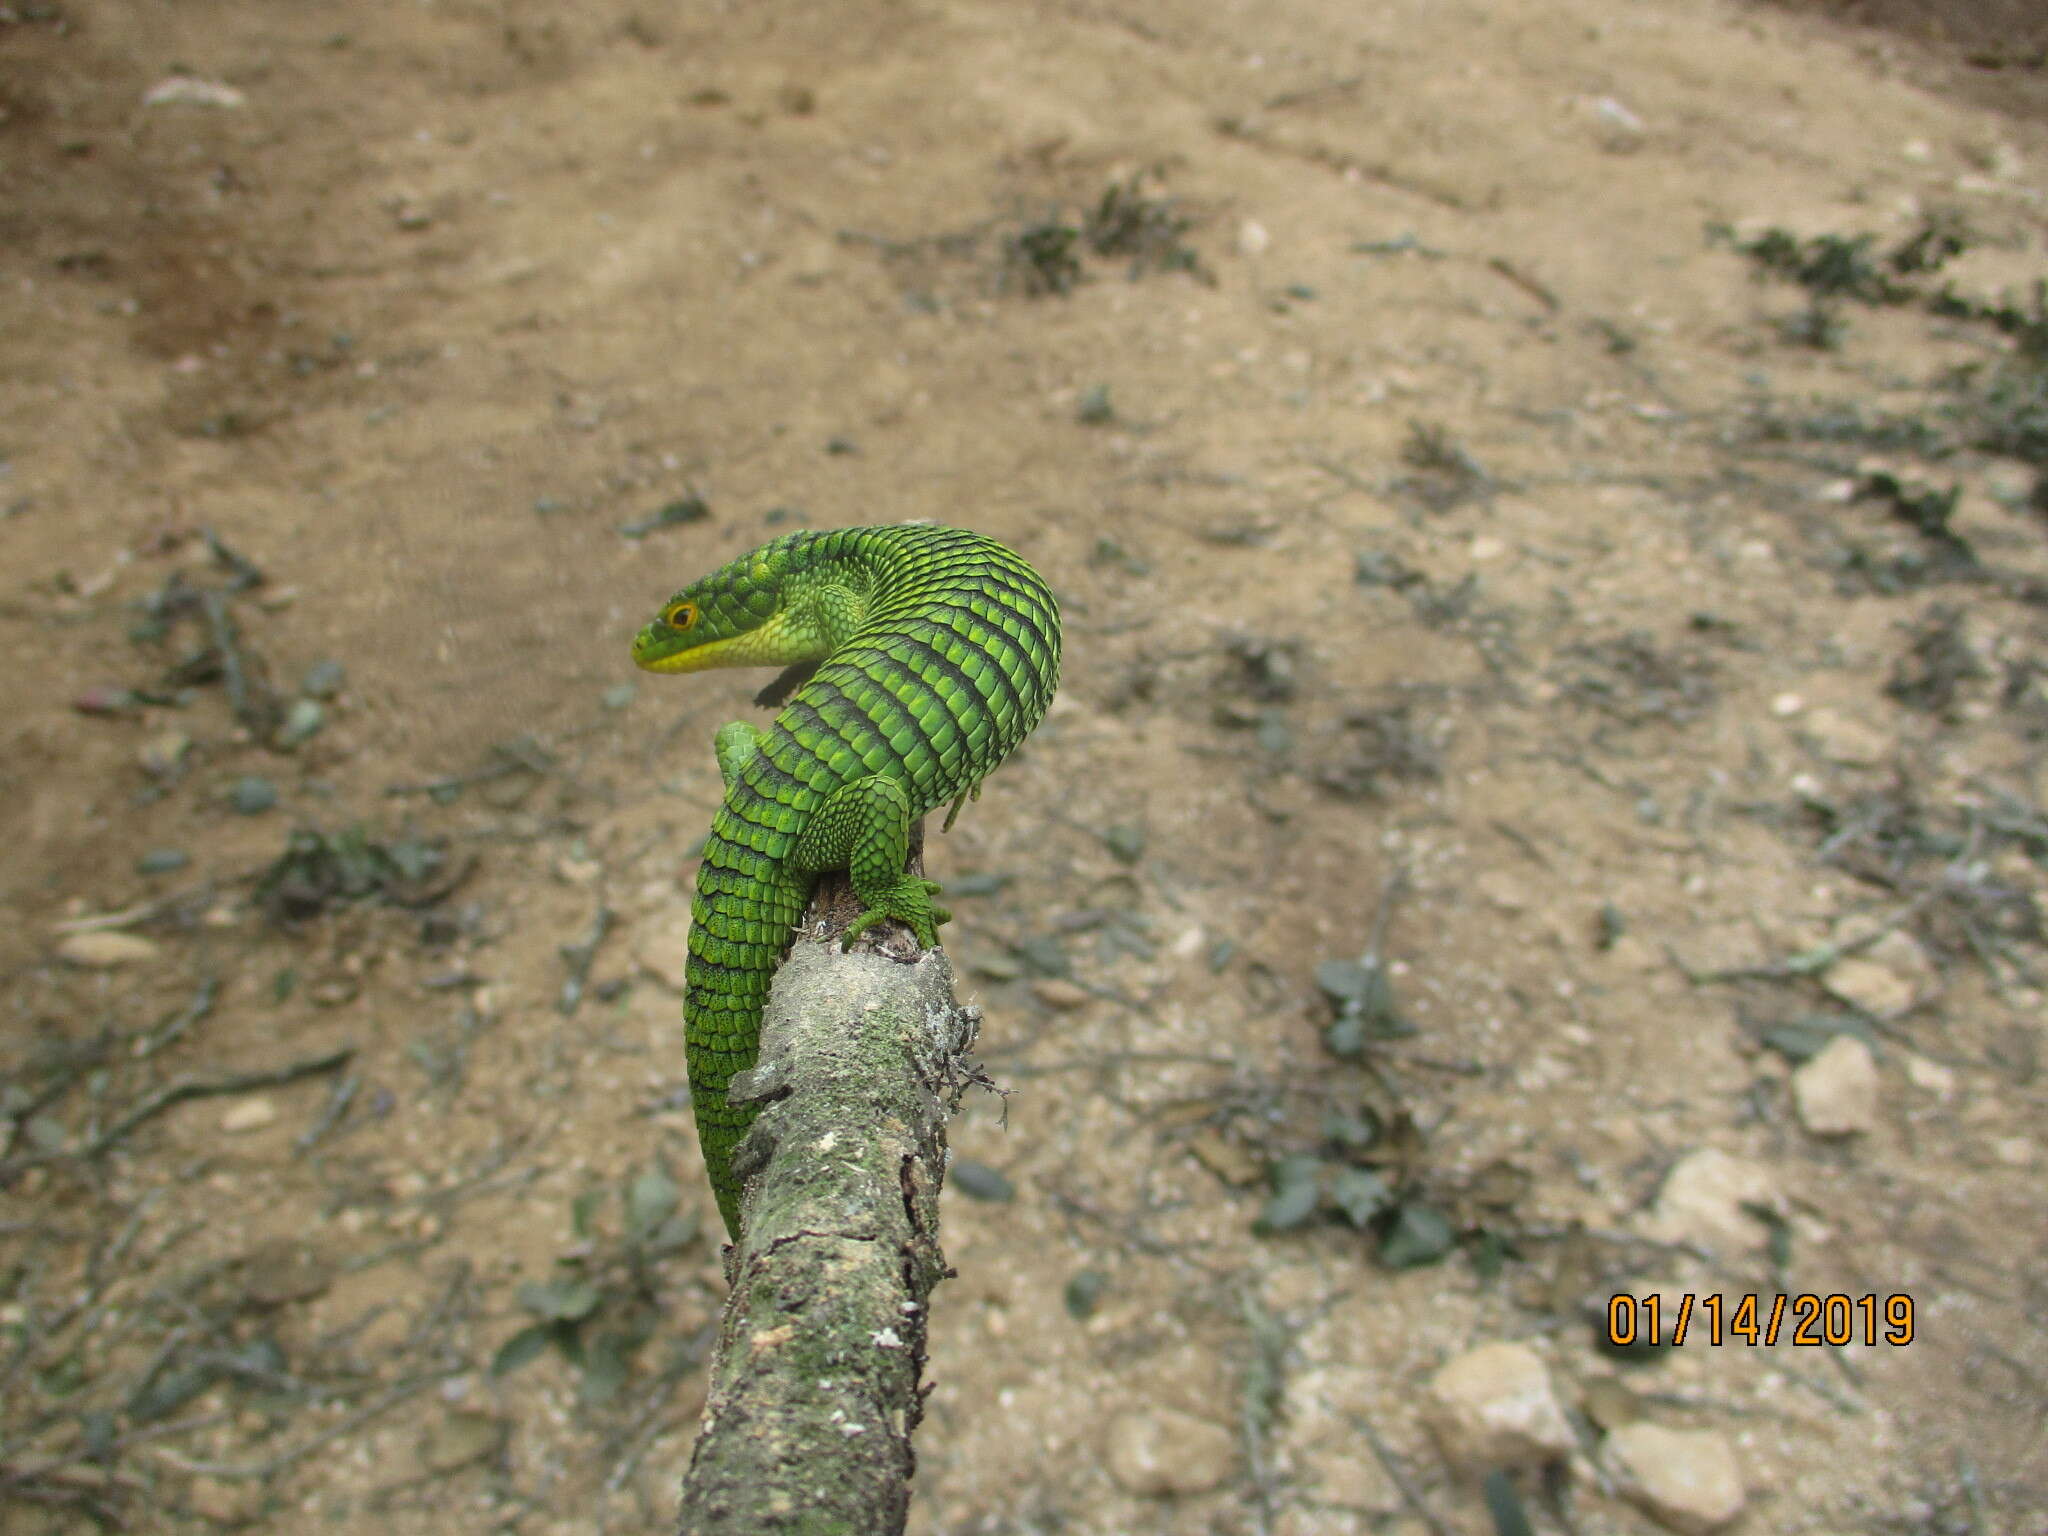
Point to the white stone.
(1836, 1091)
(1930, 1075)
(1162, 1451)
(104, 951)
(1866, 984)
(1493, 1406)
(2014, 1151)
(1252, 238)
(1686, 1479)
(1884, 976)
(190, 91)
(1702, 1203)
(1787, 704)
(249, 1115)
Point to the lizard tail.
(745, 907)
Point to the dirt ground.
(1446, 511)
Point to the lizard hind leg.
(863, 827)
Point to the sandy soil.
(1415, 508)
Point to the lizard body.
(936, 650)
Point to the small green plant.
(600, 1306)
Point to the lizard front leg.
(863, 827)
(734, 746)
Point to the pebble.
(1884, 978)
(164, 754)
(1059, 993)
(461, 1438)
(1687, 1480)
(252, 795)
(1786, 705)
(1164, 1451)
(249, 1115)
(1703, 1198)
(105, 951)
(2014, 1151)
(323, 680)
(1493, 1407)
(1836, 1090)
(302, 722)
(1252, 238)
(191, 91)
(222, 1502)
(1931, 1076)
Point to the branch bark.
(814, 1390)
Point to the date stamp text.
(1751, 1318)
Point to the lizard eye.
(682, 616)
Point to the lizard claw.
(909, 902)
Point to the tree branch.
(814, 1390)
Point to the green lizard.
(930, 653)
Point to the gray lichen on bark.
(815, 1383)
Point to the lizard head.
(753, 612)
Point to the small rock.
(105, 951)
(1836, 1090)
(224, 1503)
(1252, 238)
(302, 722)
(190, 91)
(1703, 1198)
(1487, 547)
(978, 1181)
(323, 680)
(1884, 977)
(1843, 739)
(2014, 1151)
(163, 755)
(1931, 1076)
(249, 1115)
(251, 795)
(1785, 705)
(334, 992)
(283, 1272)
(1058, 993)
(1493, 1407)
(1167, 1452)
(162, 861)
(105, 701)
(1867, 985)
(1686, 1479)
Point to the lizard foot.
(909, 902)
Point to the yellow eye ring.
(682, 616)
